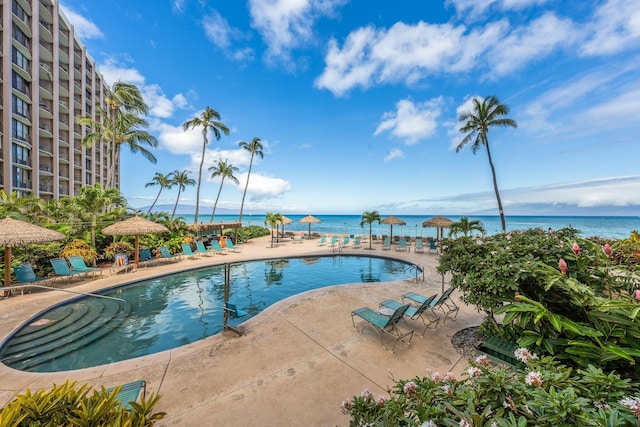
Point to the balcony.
(46, 148)
(45, 168)
(45, 188)
(21, 160)
(23, 184)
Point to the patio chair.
(121, 263)
(386, 244)
(216, 247)
(128, 393)
(323, 240)
(419, 246)
(146, 256)
(202, 250)
(433, 245)
(26, 275)
(415, 313)
(444, 303)
(167, 256)
(234, 248)
(61, 268)
(402, 245)
(345, 241)
(382, 324)
(186, 250)
(78, 264)
(357, 242)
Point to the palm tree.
(466, 227)
(95, 200)
(208, 120)
(224, 170)
(272, 219)
(255, 147)
(486, 114)
(164, 181)
(368, 217)
(180, 179)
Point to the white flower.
(632, 403)
(428, 424)
(436, 377)
(409, 387)
(533, 378)
(473, 371)
(482, 360)
(449, 377)
(524, 355)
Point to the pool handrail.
(87, 294)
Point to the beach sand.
(295, 364)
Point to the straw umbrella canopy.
(135, 226)
(284, 221)
(17, 233)
(440, 223)
(392, 220)
(309, 219)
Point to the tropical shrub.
(251, 232)
(542, 393)
(115, 248)
(68, 404)
(80, 247)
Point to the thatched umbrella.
(17, 233)
(392, 220)
(284, 221)
(135, 226)
(440, 223)
(308, 220)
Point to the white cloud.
(411, 122)
(84, 28)
(263, 187)
(395, 153)
(217, 29)
(474, 9)
(615, 26)
(287, 24)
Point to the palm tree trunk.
(245, 188)
(370, 225)
(176, 205)
(216, 202)
(154, 202)
(204, 147)
(495, 187)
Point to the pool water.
(175, 310)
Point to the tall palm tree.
(486, 114)
(368, 217)
(94, 200)
(164, 181)
(207, 120)
(466, 227)
(224, 170)
(272, 219)
(255, 148)
(181, 180)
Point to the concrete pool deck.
(295, 364)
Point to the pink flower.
(380, 400)
(638, 294)
(533, 378)
(562, 264)
(524, 355)
(607, 249)
(482, 360)
(576, 249)
(472, 371)
(409, 387)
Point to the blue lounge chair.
(386, 244)
(232, 247)
(121, 263)
(382, 324)
(357, 242)
(216, 247)
(345, 241)
(25, 274)
(323, 240)
(78, 264)
(61, 268)
(433, 245)
(415, 313)
(444, 303)
(419, 247)
(145, 256)
(402, 245)
(202, 250)
(128, 393)
(186, 250)
(166, 254)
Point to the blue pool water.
(175, 310)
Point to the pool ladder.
(419, 272)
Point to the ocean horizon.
(616, 227)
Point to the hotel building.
(47, 82)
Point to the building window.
(19, 36)
(20, 107)
(19, 83)
(21, 178)
(20, 155)
(19, 130)
(19, 59)
(87, 178)
(19, 12)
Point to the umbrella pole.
(136, 256)
(309, 235)
(7, 265)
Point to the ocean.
(617, 227)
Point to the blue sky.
(356, 102)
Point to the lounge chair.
(26, 275)
(186, 250)
(415, 313)
(128, 393)
(78, 264)
(382, 324)
(419, 247)
(444, 303)
(433, 245)
(202, 250)
(357, 242)
(323, 240)
(386, 245)
(145, 256)
(61, 268)
(345, 241)
(216, 247)
(234, 248)
(166, 254)
(121, 263)
(402, 245)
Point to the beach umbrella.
(439, 222)
(392, 220)
(309, 219)
(284, 221)
(18, 233)
(135, 226)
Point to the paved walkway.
(298, 360)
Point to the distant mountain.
(191, 210)
(561, 209)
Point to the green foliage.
(115, 248)
(80, 247)
(542, 393)
(70, 405)
(252, 232)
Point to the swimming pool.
(154, 315)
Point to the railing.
(21, 161)
(45, 168)
(46, 188)
(86, 294)
(419, 270)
